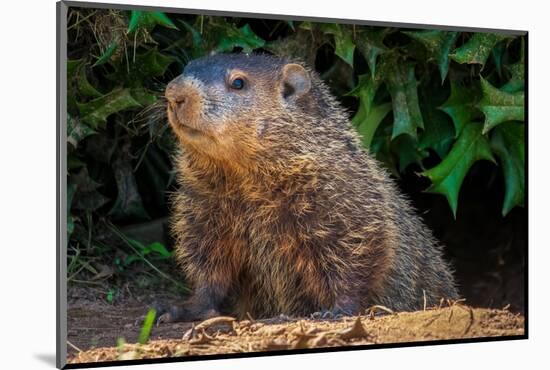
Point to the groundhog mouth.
(180, 125)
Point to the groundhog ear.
(296, 81)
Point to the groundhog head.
(236, 106)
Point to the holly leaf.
(461, 105)
(438, 133)
(146, 65)
(371, 45)
(343, 40)
(86, 196)
(128, 202)
(345, 47)
(447, 176)
(500, 106)
(517, 80)
(242, 37)
(408, 152)
(144, 96)
(477, 49)
(73, 162)
(148, 20)
(367, 126)
(438, 44)
(498, 54)
(95, 112)
(366, 89)
(77, 131)
(402, 85)
(84, 86)
(508, 143)
(517, 70)
(72, 67)
(381, 147)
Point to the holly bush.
(432, 101)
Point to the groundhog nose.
(176, 93)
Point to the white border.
(28, 181)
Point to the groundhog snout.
(184, 101)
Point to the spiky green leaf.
(95, 112)
(438, 133)
(242, 37)
(148, 20)
(366, 89)
(499, 106)
(77, 131)
(84, 86)
(508, 143)
(517, 71)
(477, 49)
(402, 85)
(438, 44)
(447, 177)
(343, 40)
(144, 96)
(461, 105)
(368, 125)
(345, 48)
(371, 45)
(408, 152)
(86, 196)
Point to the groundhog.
(280, 210)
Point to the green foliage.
(500, 106)
(432, 102)
(477, 49)
(147, 326)
(439, 45)
(402, 85)
(461, 105)
(447, 177)
(95, 112)
(239, 37)
(508, 143)
(148, 20)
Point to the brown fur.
(280, 211)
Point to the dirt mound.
(225, 335)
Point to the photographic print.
(243, 184)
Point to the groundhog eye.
(237, 84)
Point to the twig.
(371, 310)
(135, 43)
(82, 20)
(471, 321)
(250, 317)
(430, 321)
(450, 315)
(73, 346)
(214, 321)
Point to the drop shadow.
(47, 358)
